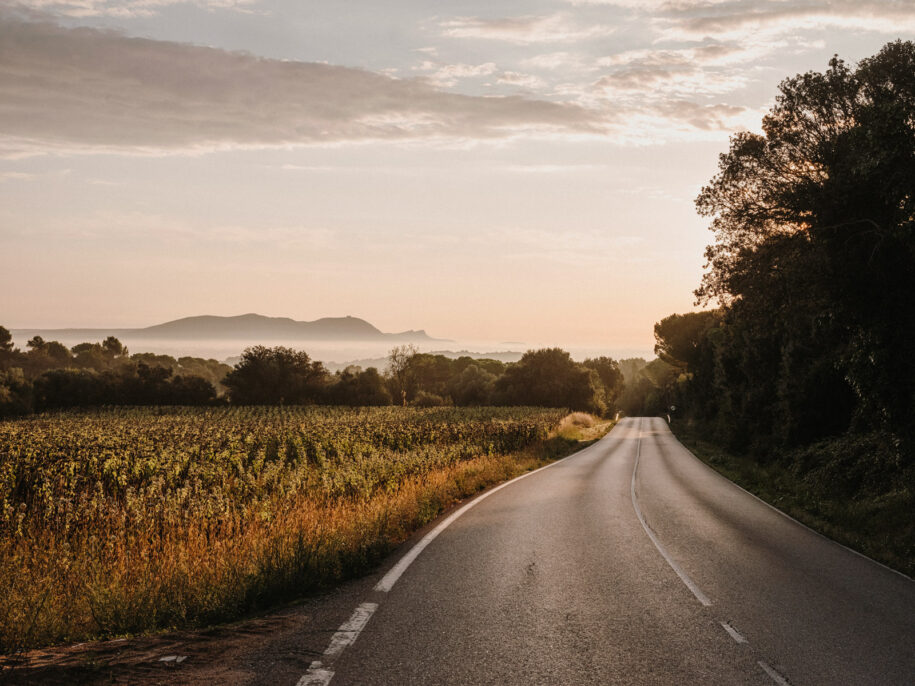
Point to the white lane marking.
(733, 633)
(700, 596)
(388, 580)
(349, 631)
(316, 676)
(343, 637)
(775, 676)
(789, 517)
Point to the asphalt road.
(630, 562)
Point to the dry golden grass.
(110, 563)
(581, 426)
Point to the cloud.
(447, 75)
(716, 117)
(125, 8)
(85, 89)
(553, 28)
(15, 176)
(696, 70)
(737, 19)
(514, 78)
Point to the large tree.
(814, 257)
(550, 378)
(275, 376)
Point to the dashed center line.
(700, 596)
(320, 673)
(684, 577)
(775, 676)
(733, 633)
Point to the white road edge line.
(700, 596)
(316, 676)
(733, 633)
(346, 635)
(349, 631)
(775, 676)
(388, 580)
(343, 637)
(789, 517)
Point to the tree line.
(808, 354)
(48, 376)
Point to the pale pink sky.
(476, 170)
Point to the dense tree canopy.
(813, 264)
(550, 378)
(678, 338)
(275, 376)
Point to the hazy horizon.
(483, 171)
(336, 352)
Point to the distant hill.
(247, 327)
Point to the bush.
(424, 399)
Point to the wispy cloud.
(447, 75)
(84, 89)
(15, 176)
(528, 81)
(553, 28)
(560, 61)
(126, 8)
(738, 19)
(702, 69)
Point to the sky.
(486, 171)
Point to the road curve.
(630, 562)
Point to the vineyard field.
(121, 521)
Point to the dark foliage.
(814, 258)
(356, 387)
(276, 376)
(809, 359)
(139, 385)
(550, 378)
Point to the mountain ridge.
(250, 326)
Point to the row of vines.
(125, 520)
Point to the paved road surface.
(630, 562)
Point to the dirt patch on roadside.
(273, 648)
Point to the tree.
(630, 368)
(549, 378)
(399, 360)
(6, 340)
(472, 386)
(679, 338)
(112, 348)
(814, 251)
(7, 352)
(611, 379)
(356, 387)
(275, 376)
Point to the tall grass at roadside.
(126, 521)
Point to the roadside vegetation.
(120, 521)
(846, 499)
(803, 377)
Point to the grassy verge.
(876, 522)
(158, 535)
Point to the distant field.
(130, 520)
